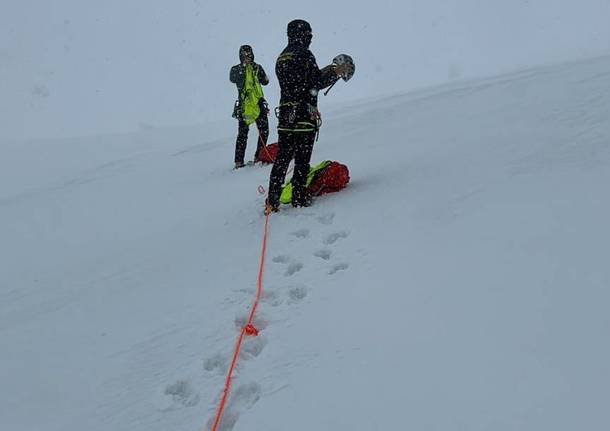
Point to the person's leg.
(280, 166)
(241, 142)
(302, 157)
(262, 122)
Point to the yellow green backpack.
(251, 95)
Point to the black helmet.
(299, 31)
(245, 51)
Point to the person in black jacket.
(238, 77)
(300, 80)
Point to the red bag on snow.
(268, 153)
(325, 177)
(329, 180)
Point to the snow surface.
(460, 282)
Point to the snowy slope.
(460, 282)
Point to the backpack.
(268, 154)
(251, 95)
(326, 177)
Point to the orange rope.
(260, 138)
(261, 189)
(248, 329)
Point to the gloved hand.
(327, 69)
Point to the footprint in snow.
(180, 394)
(217, 363)
(334, 237)
(301, 233)
(323, 254)
(253, 346)
(293, 268)
(297, 294)
(338, 267)
(327, 219)
(243, 397)
(282, 258)
(271, 297)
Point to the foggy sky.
(74, 67)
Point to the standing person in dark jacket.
(300, 80)
(251, 106)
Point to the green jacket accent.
(251, 95)
(286, 196)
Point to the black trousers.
(262, 124)
(291, 144)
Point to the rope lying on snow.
(247, 330)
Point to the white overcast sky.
(73, 67)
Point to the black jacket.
(238, 76)
(300, 80)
